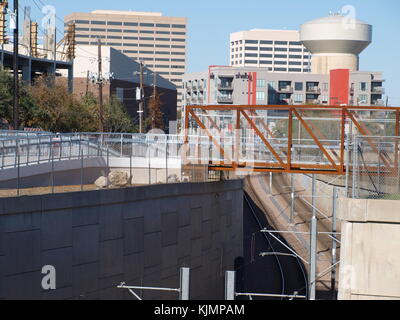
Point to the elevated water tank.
(335, 42)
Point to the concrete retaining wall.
(370, 255)
(141, 236)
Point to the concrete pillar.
(27, 70)
(71, 79)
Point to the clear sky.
(211, 21)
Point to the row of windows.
(132, 24)
(132, 38)
(94, 42)
(292, 43)
(279, 56)
(130, 31)
(270, 49)
(291, 63)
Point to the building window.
(294, 69)
(363, 99)
(265, 55)
(260, 96)
(113, 23)
(131, 24)
(294, 50)
(281, 62)
(261, 83)
(281, 42)
(294, 63)
(251, 41)
(147, 31)
(265, 49)
(147, 24)
(252, 55)
(182, 26)
(295, 43)
(363, 86)
(251, 48)
(298, 98)
(251, 61)
(265, 62)
(266, 42)
(280, 69)
(163, 25)
(99, 22)
(82, 21)
(293, 56)
(298, 86)
(281, 49)
(282, 56)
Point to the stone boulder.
(101, 182)
(118, 179)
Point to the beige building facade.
(275, 50)
(158, 41)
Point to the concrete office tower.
(160, 42)
(335, 42)
(275, 50)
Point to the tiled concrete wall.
(141, 236)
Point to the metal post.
(313, 245)
(81, 156)
(355, 163)
(184, 284)
(148, 146)
(230, 285)
(347, 163)
(18, 171)
(270, 182)
(52, 166)
(334, 243)
(379, 170)
(292, 203)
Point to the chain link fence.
(374, 168)
(41, 163)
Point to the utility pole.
(141, 99)
(16, 88)
(100, 83)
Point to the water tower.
(335, 42)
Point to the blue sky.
(211, 21)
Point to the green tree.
(116, 118)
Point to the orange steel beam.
(215, 142)
(293, 167)
(366, 133)
(259, 133)
(287, 107)
(321, 147)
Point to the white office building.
(276, 50)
